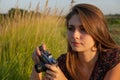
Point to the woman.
(92, 54)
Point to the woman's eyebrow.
(70, 25)
(75, 25)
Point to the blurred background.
(25, 24)
(108, 7)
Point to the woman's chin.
(77, 49)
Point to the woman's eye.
(70, 28)
(82, 30)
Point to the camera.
(45, 58)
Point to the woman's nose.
(76, 34)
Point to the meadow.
(22, 32)
(20, 35)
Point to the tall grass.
(19, 35)
(114, 27)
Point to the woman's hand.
(35, 57)
(37, 53)
(54, 73)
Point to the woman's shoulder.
(114, 65)
(62, 58)
(107, 60)
(111, 57)
(112, 54)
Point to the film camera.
(45, 58)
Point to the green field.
(19, 35)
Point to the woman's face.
(78, 38)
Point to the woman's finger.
(51, 73)
(48, 77)
(44, 46)
(52, 67)
(38, 53)
(35, 55)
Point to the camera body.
(45, 58)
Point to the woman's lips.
(76, 44)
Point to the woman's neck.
(88, 58)
(86, 63)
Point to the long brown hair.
(95, 25)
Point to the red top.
(105, 62)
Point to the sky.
(107, 6)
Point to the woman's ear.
(94, 48)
